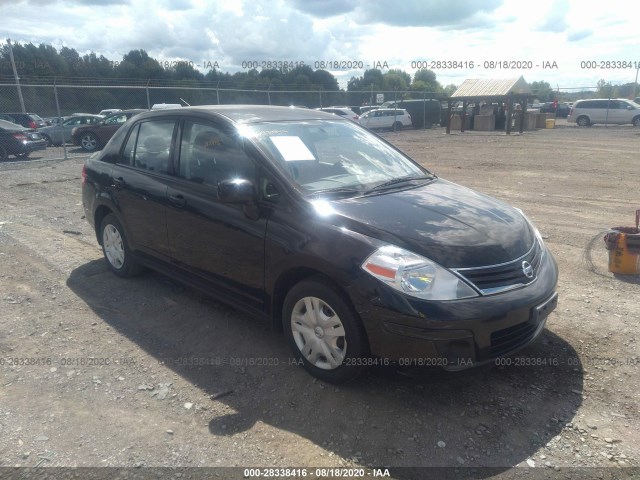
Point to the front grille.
(498, 278)
(511, 338)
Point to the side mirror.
(238, 191)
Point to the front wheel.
(115, 248)
(324, 332)
(47, 139)
(89, 142)
(636, 121)
(583, 121)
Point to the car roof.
(249, 113)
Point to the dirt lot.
(100, 371)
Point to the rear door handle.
(177, 201)
(118, 182)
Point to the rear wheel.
(397, 126)
(324, 332)
(89, 142)
(3, 153)
(583, 121)
(47, 139)
(636, 121)
(115, 248)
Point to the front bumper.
(454, 334)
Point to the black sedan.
(19, 141)
(309, 221)
(561, 110)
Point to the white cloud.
(392, 31)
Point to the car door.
(618, 113)
(218, 242)
(375, 119)
(65, 129)
(139, 186)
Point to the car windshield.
(325, 155)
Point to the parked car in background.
(424, 112)
(562, 110)
(18, 140)
(165, 106)
(59, 134)
(367, 108)
(28, 120)
(385, 118)
(342, 111)
(54, 120)
(601, 110)
(109, 111)
(94, 137)
(324, 230)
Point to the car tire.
(396, 126)
(583, 121)
(47, 139)
(116, 249)
(89, 142)
(324, 332)
(3, 154)
(636, 121)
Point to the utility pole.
(15, 74)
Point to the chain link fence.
(64, 99)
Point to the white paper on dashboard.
(292, 148)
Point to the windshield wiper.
(337, 190)
(396, 181)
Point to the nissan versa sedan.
(357, 253)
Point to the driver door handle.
(177, 201)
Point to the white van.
(601, 110)
(394, 118)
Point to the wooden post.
(509, 113)
(464, 116)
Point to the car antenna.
(185, 102)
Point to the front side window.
(115, 120)
(72, 122)
(209, 155)
(325, 154)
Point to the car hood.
(448, 223)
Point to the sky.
(564, 42)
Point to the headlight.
(415, 275)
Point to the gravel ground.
(97, 371)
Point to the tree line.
(297, 84)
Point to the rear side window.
(149, 146)
(153, 145)
(593, 104)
